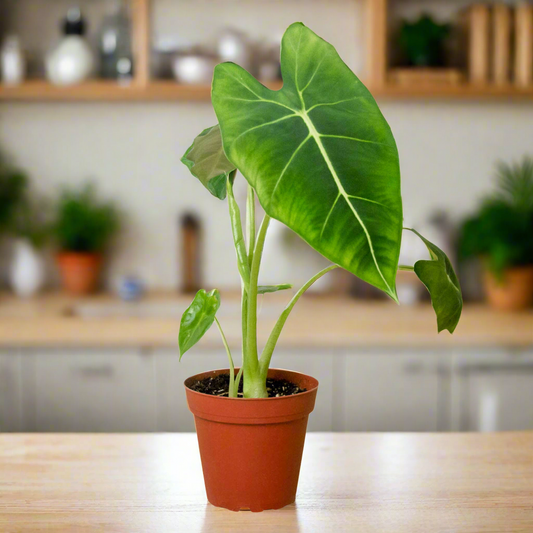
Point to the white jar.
(13, 62)
(26, 274)
(72, 61)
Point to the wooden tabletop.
(389, 482)
(56, 320)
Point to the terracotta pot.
(513, 292)
(251, 449)
(79, 271)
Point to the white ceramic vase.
(27, 269)
(71, 62)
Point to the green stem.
(238, 381)
(406, 268)
(232, 393)
(254, 386)
(266, 356)
(238, 236)
(250, 223)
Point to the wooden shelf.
(41, 91)
(102, 91)
(465, 92)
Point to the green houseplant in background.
(13, 184)
(83, 228)
(501, 235)
(320, 157)
(422, 42)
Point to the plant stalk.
(232, 393)
(238, 236)
(254, 385)
(406, 268)
(250, 223)
(266, 356)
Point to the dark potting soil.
(219, 385)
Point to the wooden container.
(523, 67)
(501, 44)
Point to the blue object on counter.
(130, 288)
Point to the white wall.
(447, 149)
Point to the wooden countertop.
(317, 321)
(349, 482)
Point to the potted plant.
(320, 157)
(501, 234)
(83, 229)
(423, 41)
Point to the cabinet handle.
(103, 371)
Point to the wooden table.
(386, 482)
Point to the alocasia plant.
(322, 159)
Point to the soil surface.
(219, 385)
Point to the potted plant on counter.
(501, 235)
(320, 157)
(83, 229)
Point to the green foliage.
(321, 158)
(423, 41)
(31, 220)
(438, 276)
(206, 160)
(501, 232)
(84, 223)
(197, 319)
(349, 206)
(13, 185)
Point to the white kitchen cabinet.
(10, 391)
(172, 411)
(89, 390)
(395, 391)
(173, 414)
(496, 389)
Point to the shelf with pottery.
(496, 44)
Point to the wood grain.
(317, 321)
(412, 483)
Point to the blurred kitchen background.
(105, 235)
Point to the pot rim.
(280, 398)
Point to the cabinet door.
(172, 411)
(173, 414)
(386, 391)
(10, 391)
(90, 390)
(497, 391)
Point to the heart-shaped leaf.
(442, 284)
(319, 154)
(197, 319)
(207, 161)
(264, 289)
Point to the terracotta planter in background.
(251, 449)
(513, 292)
(79, 271)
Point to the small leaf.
(197, 319)
(264, 289)
(441, 281)
(207, 161)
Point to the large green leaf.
(319, 154)
(207, 161)
(440, 280)
(197, 319)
